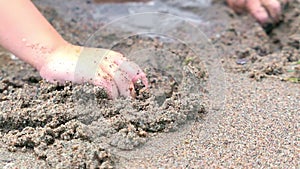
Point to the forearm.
(26, 33)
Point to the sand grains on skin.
(259, 127)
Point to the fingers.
(144, 79)
(107, 82)
(124, 82)
(124, 73)
(265, 11)
(120, 77)
(258, 11)
(134, 71)
(108, 69)
(133, 74)
(274, 9)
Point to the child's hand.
(265, 11)
(102, 67)
(117, 75)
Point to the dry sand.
(46, 126)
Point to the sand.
(236, 107)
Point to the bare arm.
(26, 33)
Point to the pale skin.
(264, 11)
(29, 36)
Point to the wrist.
(60, 65)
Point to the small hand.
(102, 67)
(117, 75)
(265, 11)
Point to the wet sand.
(256, 123)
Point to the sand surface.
(223, 92)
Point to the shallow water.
(108, 12)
